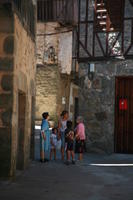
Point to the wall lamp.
(91, 70)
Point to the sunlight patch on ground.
(37, 127)
(112, 165)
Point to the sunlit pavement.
(98, 177)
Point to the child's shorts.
(70, 146)
(52, 147)
(80, 146)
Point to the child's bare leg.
(51, 152)
(55, 154)
(80, 156)
(62, 153)
(42, 155)
(73, 155)
(68, 155)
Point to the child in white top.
(53, 141)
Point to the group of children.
(55, 141)
(62, 138)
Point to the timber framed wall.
(102, 32)
(108, 45)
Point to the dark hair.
(53, 129)
(45, 115)
(64, 112)
(69, 124)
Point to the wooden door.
(124, 115)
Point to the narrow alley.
(66, 86)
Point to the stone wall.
(23, 82)
(54, 62)
(6, 87)
(72, 105)
(51, 87)
(97, 102)
(17, 75)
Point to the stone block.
(7, 82)
(7, 117)
(6, 100)
(5, 152)
(106, 83)
(97, 83)
(9, 45)
(6, 64)
(5, 134)
(101, 116)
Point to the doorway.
(21, 129)
(32, 142)
(124, 115)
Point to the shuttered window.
(109, 15)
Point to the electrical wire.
(56, 33)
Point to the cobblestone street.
(98, 177)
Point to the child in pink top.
(81, 131)
(80, 138)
